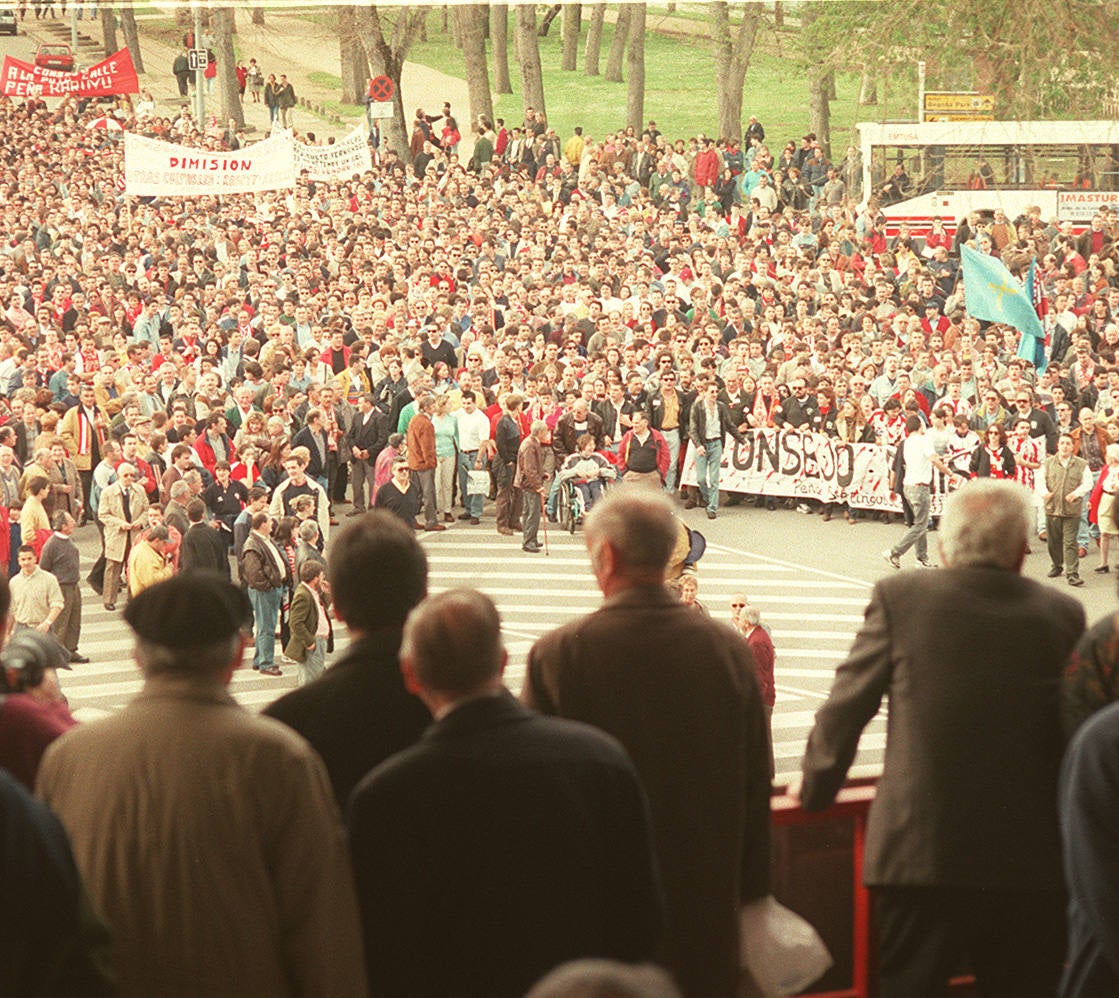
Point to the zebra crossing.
(813, 616)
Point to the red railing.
(850, 807)
(849, 936)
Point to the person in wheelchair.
(586, 471)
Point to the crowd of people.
(210, 379)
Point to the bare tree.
(131, 36)
(109, 29)
(618, 44)
(733, 51)
(474, 18)
(386, 57)
(635, 68)
(528, 54)
(594, 40)
(569, 58)
(355, 66)
(229, 95)
(499, 36)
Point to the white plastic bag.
(477, 482)
(780, 950)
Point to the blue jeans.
(672, 438)
(473, 504)
(707, 473)
(266, 612)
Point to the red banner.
(115, 75)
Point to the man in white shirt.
(472, 430)
(919, 457)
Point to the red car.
(56, 56)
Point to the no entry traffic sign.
(381, 89)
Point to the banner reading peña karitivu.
(114, 75)
(152, 167)
(340, 161)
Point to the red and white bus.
(1069, 169)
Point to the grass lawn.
(680, 85)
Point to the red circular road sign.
(381, 88)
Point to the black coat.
(519, 842)
(203, 549)
(367, 433)
(358, 713)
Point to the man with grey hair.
(578, 879)
(677, 689)
(962, 847)
(185, 806)
(529, 478)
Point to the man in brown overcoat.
(677, 689)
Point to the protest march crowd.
(727, 323)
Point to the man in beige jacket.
(206, 835)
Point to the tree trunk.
(109, 29)
(594, 40)
(829, 83)
(229, 96)
(456, 27)
(778, 14)
(528, 54)
(355, 66)
(618, 45)
(868, 87)
(670, 8)
(635, 68)
(499, 36)
(733, 52)
(570, 58)
(819, 111)
(258, 14)
(446, 19)
(474, 18)
(553, 13)
(131, 36)
(386, 58)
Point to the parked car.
(8, 23)
(55, 56)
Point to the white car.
(8, 22)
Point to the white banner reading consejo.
(341, 160)
(152, 167)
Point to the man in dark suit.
(678, 691)
(962, 846)
(575, 879)
(203, 548)
(365, 439)
(358, 713)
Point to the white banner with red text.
(114, 75)
(152, 167)
(340, 161)
(802, 466)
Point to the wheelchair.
(572, 506)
